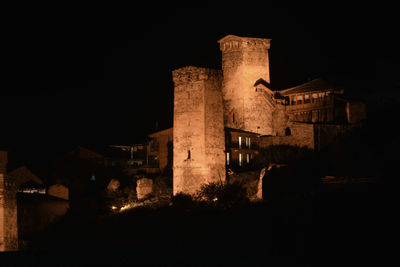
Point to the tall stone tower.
(244, 61)
(199, 142)
(8, 209)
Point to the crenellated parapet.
(233, 43)
(190, 74)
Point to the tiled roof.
(318, 84)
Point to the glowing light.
(128, 206)
(113, 207)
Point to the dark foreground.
(354, 224)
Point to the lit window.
(240, 159)
(248, 142)
(227, 158)
(314, 97)
(248, 158)
(240, 142)
(306, 98)
(299, 99)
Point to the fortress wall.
(326, 133)
(280, 120)
(198, 136)
(302, 134)
(8, 209)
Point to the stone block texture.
(8, 209)
(244, 61)
(198, 132)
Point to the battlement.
(194, 74)
(235, 43)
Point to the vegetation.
(223, 195)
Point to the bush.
(223, 195)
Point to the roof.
(31, 184)
(315, 85)
(238, 130)
(263, 82)
(23, 174)
(168, 131)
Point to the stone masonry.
(244, 61)
(198, 133)
(8, 209)
(207, 102)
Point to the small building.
(23, 175)
(241, 147)
(160, 149)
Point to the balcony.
(315, 104)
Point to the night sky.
(102, 74)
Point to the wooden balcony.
(317, 104)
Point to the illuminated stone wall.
(244, 61)
(8, 209)
(198, 132)
(302, 134)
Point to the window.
(299, 99)
(240, 159)
(248, 142)
(233, 117)
(248, 158)
(188, 154)
(227, 158)
(240, 142)
(314, 97)
(306, 98)
(288, 131)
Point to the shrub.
(223, 195)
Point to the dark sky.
(102, 74)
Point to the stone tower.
(245, 61)
(8, 209)
(198, 137)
